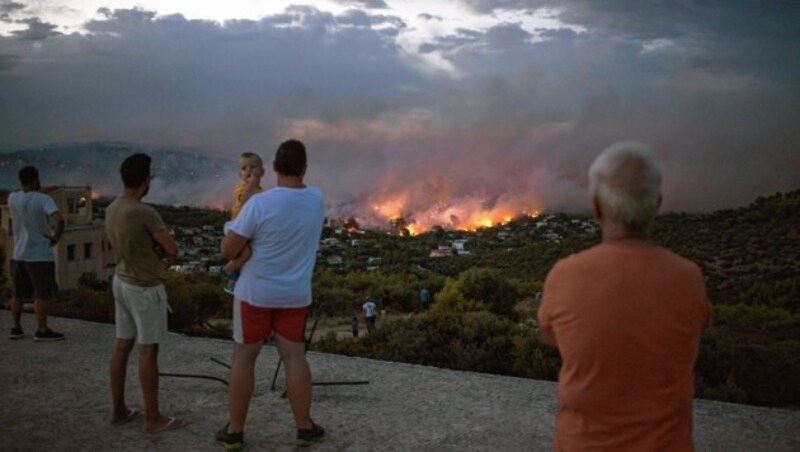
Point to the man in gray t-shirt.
(33, 266)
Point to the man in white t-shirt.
(283, 226)
(33, 267)
(370, 314)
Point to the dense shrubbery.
(90, 301)
(336, 294)
(193, 299)
(751, 355)
(477, 341)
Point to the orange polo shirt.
(627, 318)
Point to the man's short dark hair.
(28, 175)
(290, 158)
(135, 170)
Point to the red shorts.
(253, 324)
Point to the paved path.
(55, 397)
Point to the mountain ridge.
(96, 164)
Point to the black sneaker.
(16, 333)
(228, 440)
(48, 336)
(309, 436)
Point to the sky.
(443, 111)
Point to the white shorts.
(140, 312)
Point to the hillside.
(749, 255)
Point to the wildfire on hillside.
(217, 204)
(466, 214)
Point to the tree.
(489, 286)
(450, 300)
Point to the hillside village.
(345, 249)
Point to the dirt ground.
(55, 397)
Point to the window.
(87, 250)
(70, 252)
(76, 206)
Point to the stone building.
(83, 247)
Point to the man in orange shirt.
(626, 317)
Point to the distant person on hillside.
(424, 299)
(626, 316)
(251, 170)
(273, 294)
(33, 268)
(354, 326)
(370, 314)
(139, 239)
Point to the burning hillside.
(407, 215)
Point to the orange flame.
(468, 214)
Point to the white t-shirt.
(370, 309)
(30, 219)
(284, 226)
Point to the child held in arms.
(251, 170)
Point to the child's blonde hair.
(250, 155)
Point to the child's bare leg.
(238, 262)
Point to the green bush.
(476, 341)
(450, 300)
(195, 299)
(533, 359)
(751, 355)
(84, 303)
(489, 286)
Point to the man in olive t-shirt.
(139, 239)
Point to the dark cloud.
(368, 4)
(515, 123)
(505, 36)
(488, 6)
(427, 16)
(7, 62)
(558, 33)
(363, 19)
(36, 31)
(7, 9)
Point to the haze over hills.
(191, 177)
(183, 176)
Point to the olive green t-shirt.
(130, 224)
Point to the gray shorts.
(35, 280)
(140, 312)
